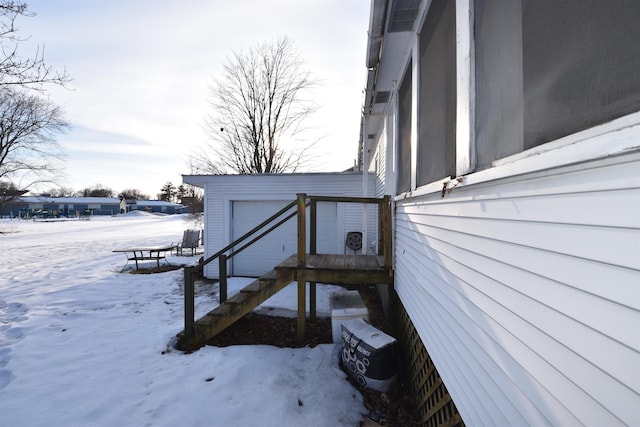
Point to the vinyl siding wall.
(526, 293)
(378, 166)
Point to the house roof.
(157, 203)
(201, 180)
(91, 200)
(391, 26)
(70, 200)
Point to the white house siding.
(381, 163)
(526, 293)
(380, 169)
(221, 191)
(353, 214)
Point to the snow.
(83, 344)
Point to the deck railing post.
(381, 227)
(302, 229)
(222, 264)
(189, 297)
(388, 244)
(302, 262)
(302, 307)
(313, 228)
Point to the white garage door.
(272, 249)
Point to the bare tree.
(28, 150)
(28, 122)
(134, 194)
(15, 70)
(258, 113)
(97, 190)
(61, 192)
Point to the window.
(436, 154)
(549, 68)
(404, 133)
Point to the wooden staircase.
(234, 308)
(302, 267)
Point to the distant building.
(159, 206)
(54, 207)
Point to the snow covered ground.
(83, 344)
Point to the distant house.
(43, 206)
(159, 206)
(508, 132)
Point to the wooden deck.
(336, 269)
(340, 269)
(301, 267)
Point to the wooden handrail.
(261, 235)
(345, 199)
(244, 236)
(189, 284)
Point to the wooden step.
(253, 287)
(234, 308)
(269, 275)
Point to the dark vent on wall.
(403, 14)
(371, 135)
(381, 97)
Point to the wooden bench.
(151, 253)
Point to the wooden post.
(302, 229)
(189, 303)
(381, 227)
(222, 263)
(302, 307)
(388, 243)
(313, 226)
(302, 263)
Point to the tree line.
(168, 193)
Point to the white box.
(344, 306)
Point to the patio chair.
(190, 240)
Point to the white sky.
(141, 70)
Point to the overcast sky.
(141, 71)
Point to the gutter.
(377, 21)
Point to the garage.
(268, 252)
(234, 204)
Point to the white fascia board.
(465, 64)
